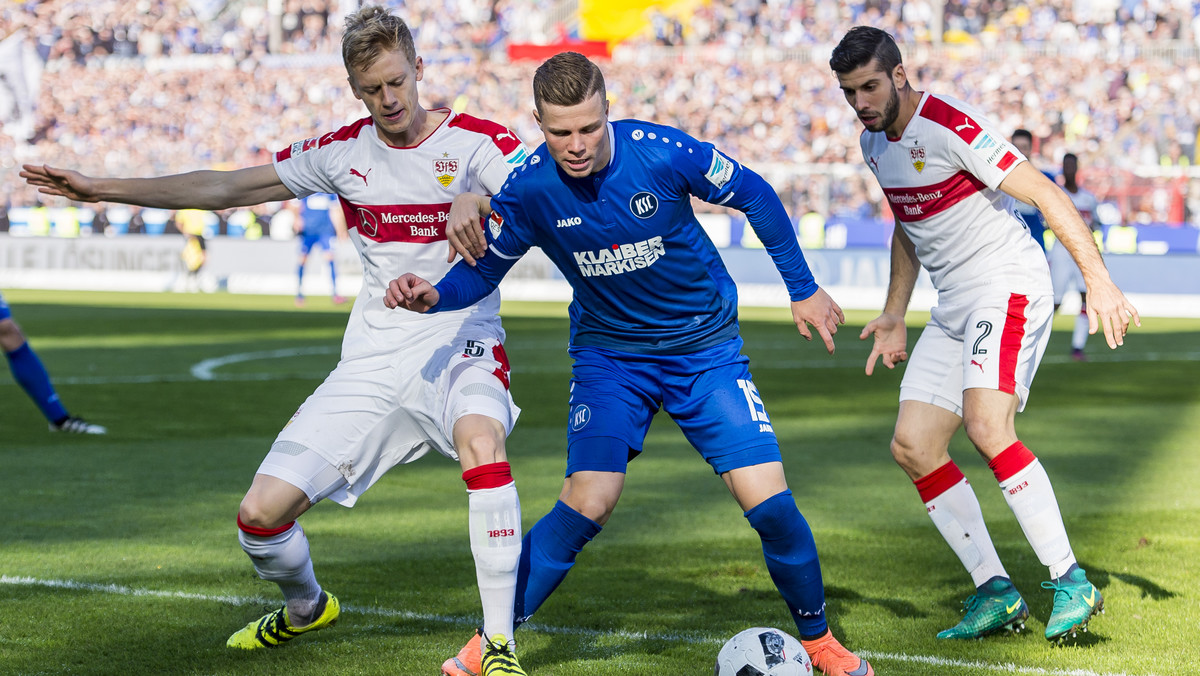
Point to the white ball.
(763, 651)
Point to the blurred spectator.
(1105, 85)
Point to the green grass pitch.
(118, 554)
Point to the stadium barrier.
(1160, 285)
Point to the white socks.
(283, 558)
(494, 521)
(1029, 494)
(954, 509)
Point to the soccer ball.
(763, 651)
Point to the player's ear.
(899, 77)
(538, 118)
(419, 65)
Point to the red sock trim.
(1010, 461)
(938, 481)
(493, 475)
(264, 532)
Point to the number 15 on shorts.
(758, 412)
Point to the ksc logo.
(643, 205)
(580, 417)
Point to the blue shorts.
(307, 242)
(709, 394)
(5, 313)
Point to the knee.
(985, 431)
(11, 337)
(256, 511)
(906, 452)
(597, 506)
(481, 449)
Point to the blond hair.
(371, 31)
(567, 79)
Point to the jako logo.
(568, 222)
(643, 204)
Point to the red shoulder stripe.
(504, 139)
(963, 125)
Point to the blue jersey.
(314, 215)
(645, 276)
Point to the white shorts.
(374, 413)
(992, 342)
(1065, 275)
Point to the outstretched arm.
(891, 336)
(1106, 305)
(209, 190)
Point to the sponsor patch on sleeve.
(495, 224)
(994, 151)
(517, 156)
(720, 170)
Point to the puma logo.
(874, 163)
(965, 125)
(506, 135)
(355, 172)
(979, 364)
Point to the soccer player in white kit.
(1064, 273)
(406, 383)
(950, 178)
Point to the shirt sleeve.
(716, 178)
(499, 163)
(302, 167)
(983, 151)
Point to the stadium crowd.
(1120, 109)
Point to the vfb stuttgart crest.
(917, 154)
(445, 170)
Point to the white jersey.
(942, 179)
(396, 202)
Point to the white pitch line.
(204, 370)
(693, 638)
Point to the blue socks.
(547, 554)
(550, 547)
(29, 373)
(792, 561)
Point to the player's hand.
(822, 312)
(463, 230)
(60, 182)
(891, 340)
(411, 292)
(1107, 307)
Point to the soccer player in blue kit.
(31, 375)
(320, 221)
(653, 325)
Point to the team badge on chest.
(445, 170)
(917, 154)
